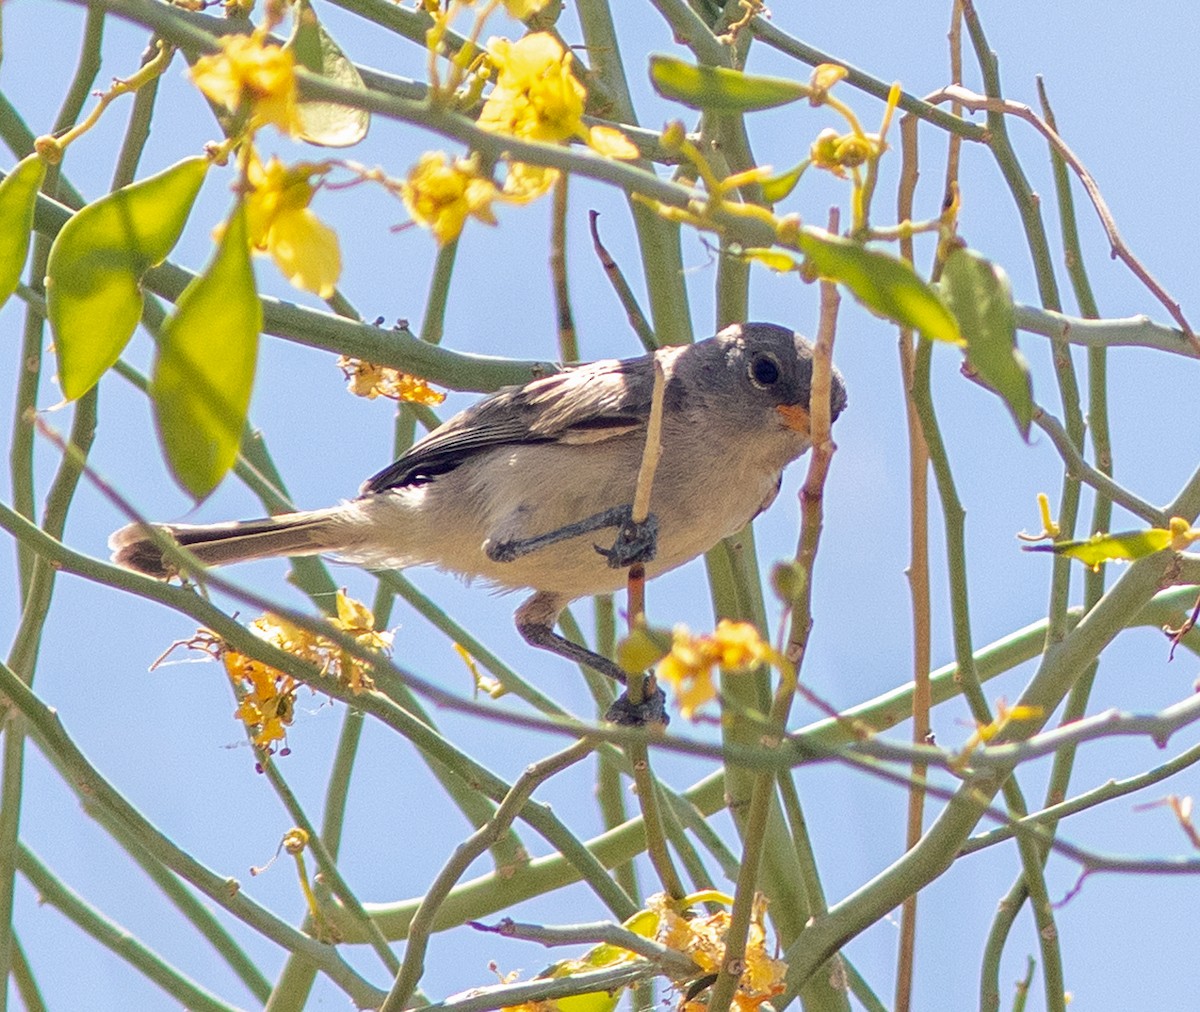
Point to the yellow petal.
(611, 143)
(525, 183)
(306, 250)
(522, 9)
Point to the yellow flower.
(538, 98)
(268, 697)
(353, 618)
(524, 183)
(735, 647)
(739, 647)
(280, 222)
(248, 75)
(441, 194)
(703, 939)
(836, 152)
(365, 379)
(688, 670)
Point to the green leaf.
(980, 296)
(1101, 548)
(93, 276)
(326, 123)
(883, 283)
(778, 187)
(205, 366)
(719, 88)
(18, 197)
(776, 259)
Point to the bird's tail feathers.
(308, 533)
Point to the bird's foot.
(637, 541)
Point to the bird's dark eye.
(764, 370)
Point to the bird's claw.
(651, 710)
(637, 541)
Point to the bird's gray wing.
(581, 404)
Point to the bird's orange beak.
(794, 417)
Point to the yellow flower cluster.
(267, 696)
(441, 194)
(734, 647)
(538, 98)
(353, 618)
(281, 223)
(365, 379)
(703, 939)
(248, 75)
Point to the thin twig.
(638, 751)
(1120, 251)
(673, 962)
(637, 319)
(568, 344)
(479, 841)
(918, 565)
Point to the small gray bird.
(514, 489)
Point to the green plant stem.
(689, 857)
(33, 337)
(1079, 469)
(568, 339)
(1089, 799)
(428, 609)
(24, 980)
(121, 941)
(777, 39)
(733, 965)
(549, 989)
(316, 329)
(1031, 884)
(658, 239)
(1029, 210)
(689, 29)
(1094, 583)
(202, 919)
(918, 567)
(137, 133)
(492, 892)
(333, 878)
(1059, 669)
(486, 895)
(616, 278)
(121, 819)
(610, 786)
(295, 982)
(954, 519)
(23, 659)
(652, 822)
(422, 925)
(798, 824)
(1132, 332)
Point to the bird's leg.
(636, 542)
(535, 622)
